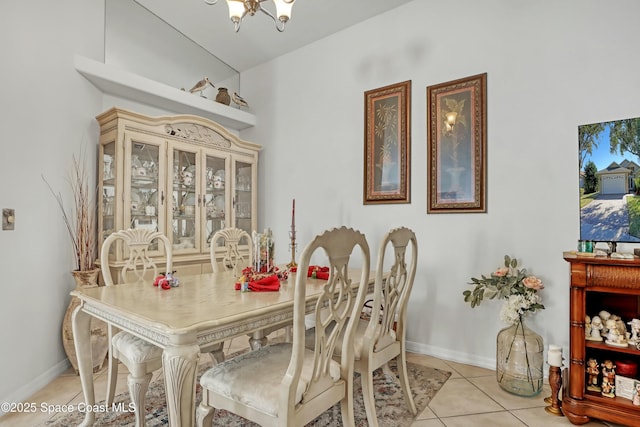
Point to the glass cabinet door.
(215, 196)
(146, 191)
(243, 197)
(107, 174)
(185, 200)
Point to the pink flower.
(502, 271)
(533, 282)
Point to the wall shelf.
(121, 83)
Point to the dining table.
(204, 310)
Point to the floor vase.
(99, 337)
(519, 360)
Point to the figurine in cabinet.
(596, 327)
(635, 331)
(636, 393)
(608, 378)
(592, 372)
(604, 316)
(587, 326)
(608, 388)
(612, 331)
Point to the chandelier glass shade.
(239, 9)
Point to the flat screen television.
(609, 162)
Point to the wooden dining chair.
(382, 338)
(286, 384)
(233, 259)
(139, 356)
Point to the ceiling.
(258, 41)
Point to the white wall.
(47, 116)
(551, 67)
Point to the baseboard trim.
(453, 356)
(38, 383)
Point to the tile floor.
(471, 397)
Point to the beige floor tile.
(494, 419)
(459, 397)
(507, 400)
(469, 371)
(538, 417)
(428, 423)
(432, 362)
(426, 414)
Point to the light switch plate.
(8, 219)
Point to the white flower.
(516, 305)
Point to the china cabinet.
(599, 283)
(183, 175)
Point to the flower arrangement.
(514, 285)
(81, 222)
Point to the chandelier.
(239, 9)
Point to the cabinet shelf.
(603, 346)
(124, 84)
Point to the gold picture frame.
(457, 145)
(387, 144)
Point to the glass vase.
(519, 360)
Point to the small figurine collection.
(601, 377)
(613, 330)
(166, 281)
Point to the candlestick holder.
(555, 382)
(292, 246)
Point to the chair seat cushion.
(236, 378)
(135, 349)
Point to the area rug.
(391, 407)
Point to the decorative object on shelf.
(239, 9)
(635, 399)
(239, 101)
(387, 149)
(292, 236)
(201, 86)
(596, 327)
(223, 96)
(608, 385)
(593, 371)
(263, 251)
(81, 227)
(519, 358)
(457, 144)
(635, 331)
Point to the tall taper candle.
(293, 215)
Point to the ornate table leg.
(257, 340)
(81, 322)
(180, 365)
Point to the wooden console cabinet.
(599, 283)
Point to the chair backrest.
(391, 294)
(138, 242)
(337, 304)
(230, 239)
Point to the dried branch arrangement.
(81, 223)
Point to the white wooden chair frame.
(336, 312)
